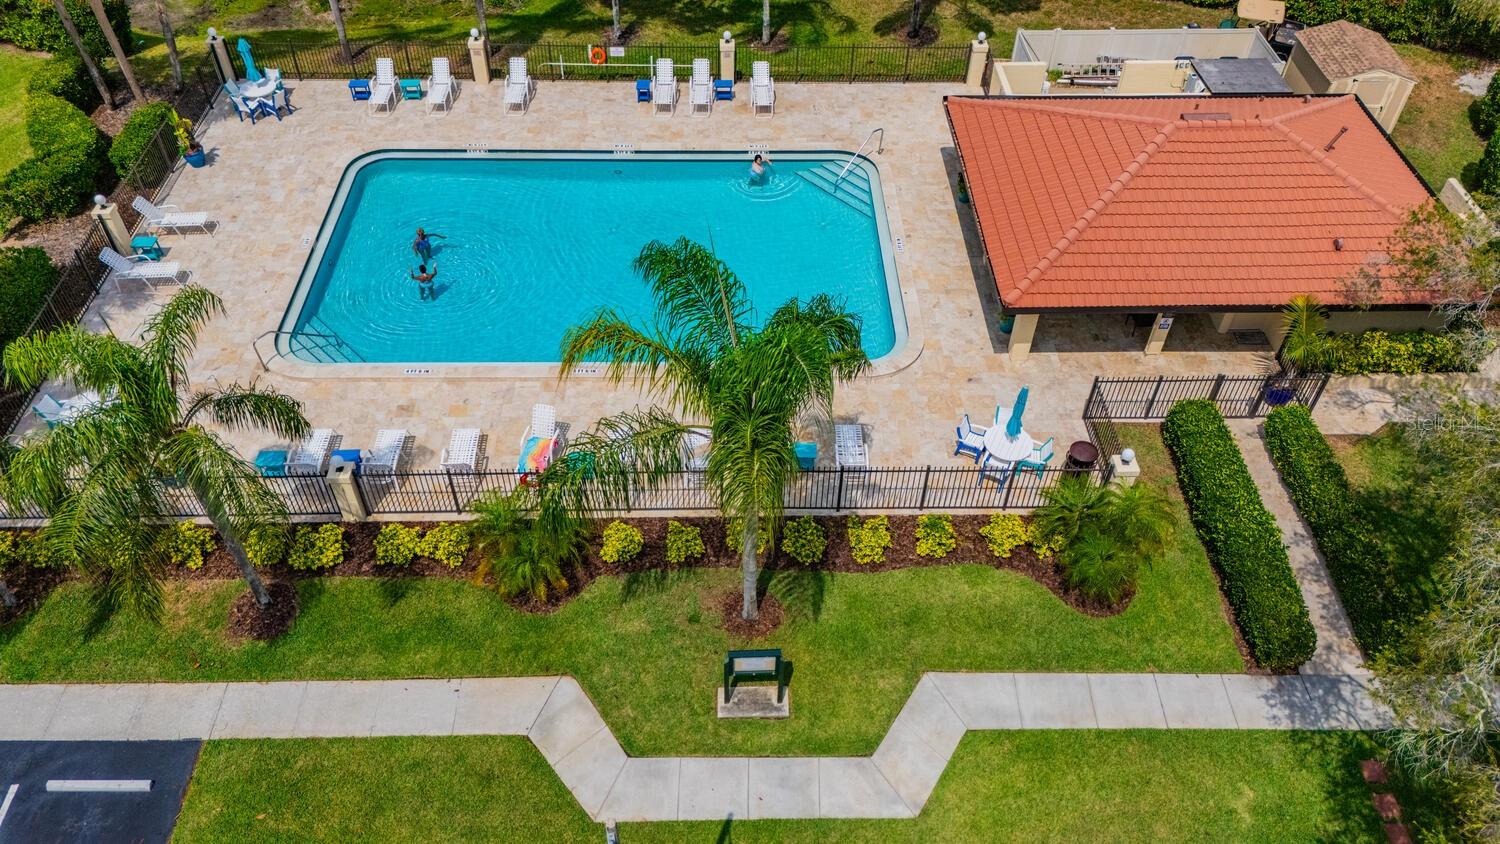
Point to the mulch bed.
(248, 620)
(769, 618)
(31, 586)
(925, 37)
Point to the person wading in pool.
(759, 172)
(422, 246)
(423, 278)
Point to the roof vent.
(1206, 115)
(1342, 130)
(1307, 98)
(1338, 244)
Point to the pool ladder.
(322, 347)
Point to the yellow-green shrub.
(266, 545)
(447, 544)
(683, 541)
(734, 535)
(188, 545)
(935, 535)
(1005, 533)
(315, 548)
(869, 538)
(397, 545)
(622, 542)
(803, 540)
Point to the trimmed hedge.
(67, 157)
(1484, 113)
(1240, 535)
(29, 277)
(1439, 24)
(1487, 171)
(1380, 606)
(139, 129)
(34, 25)
(1404, 353)
(64, 76)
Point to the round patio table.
(261, 90)
(1005, 449)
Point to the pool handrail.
(276, 332)
(855, 157)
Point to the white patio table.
(1005, 449)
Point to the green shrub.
(527, 538)
(1487, 171)
(29, 276)
(622, 542)
(935, 535)
(1241, 537)
(447, 544)
(315, 548)
(35, 25)
(803, 540)
(1484, 113)
(1381, 606)
(188, 545)
(1438, 24)
(1005, 533)
(266, 545)
(1097, 566)
(683, 542)
(25, 548)
(868, 539)
(1404, 353)
(64, 76)
(67, 156)
(734, 534)
(139, 131)
(397, 545)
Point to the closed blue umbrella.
(1013, 427)
(252, 72)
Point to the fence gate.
(1236, 396)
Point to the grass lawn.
(1434, 129)
(1012, 786)
(16, 68)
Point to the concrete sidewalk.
(563, 723)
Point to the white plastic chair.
(384, 457)
(462, 453)
(163, 217)
(701, 88)
(141, 268)
(440, 86)
(762, 89)
(664, 87)
(849, 447)
(310, 457)
(519, 86)
(970, 439)
(383, 86)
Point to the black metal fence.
(306, 59)
(552, 61)
(880, 63)
(304, 497)
(923, 488)
(1237, 397)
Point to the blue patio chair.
(232, 93)
(1037, 462)
(970, 440)
(359, 89)
(643, 90)
(996, 471)
(264, 107)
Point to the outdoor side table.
(1082, 456)
(147, 245)
(643, 90)
(723, 89)
(411, 89)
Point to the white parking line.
(99, 785)
(10, 795)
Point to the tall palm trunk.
(749, 567)
(484, 18)
(765, 21)
(168, 36)
(916, 19)
(83, 54)
(7, 597)
(338, 24)
(241, 559)
(614, 10)
(114, 47)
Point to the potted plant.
(192, 151)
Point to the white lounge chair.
(141, 268)
(849, 446)
(462, 453)
(162, 217)
(440, 86)
(540, 440)
(384, 456)
(664, 87)
(310, 457)
(701, 88)
(518, 85)
(383, 86)
(762, 89)
(695, 448)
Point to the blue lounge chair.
(1037, 462)
(970, 440)
(807, 455)
(996, 471)
(359, 89)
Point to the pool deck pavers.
(560, 719)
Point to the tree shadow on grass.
(801, 591)
(652, 581)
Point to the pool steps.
(853, 190)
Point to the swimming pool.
(535, 243)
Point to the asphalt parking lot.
(102, 791)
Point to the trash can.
(1082, 457)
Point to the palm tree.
(614, 26)
(106, 477)
(765, 21)
(114, 47)
(916, 19)
(704, 356)
(484, 19)
(1305, 346)
(338, 25)
(170, 38)
(83, 54)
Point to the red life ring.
(596, 55)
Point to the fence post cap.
(981, 38)
(728, 36)
(474, 32)
(100, 200)
(212, 33)
(1127, 456)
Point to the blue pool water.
(535, 245)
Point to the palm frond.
(697, 295)
(171, 334)
(39, 470)
(634, 447)
(229, 488)
(250, 407)
(91, 361)
(675, 372)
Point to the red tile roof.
(1178, 202)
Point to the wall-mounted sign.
(1163, 322)
(617, 52)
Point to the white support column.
(726, 57)
(341, 482)
(1124, 469)
(219, 52)
(979, 56)
(1020, 336)
(479, 56)
(1159, 331)
(108, 218)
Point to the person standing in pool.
(759, 170)
(423, 278)
(422, 246)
